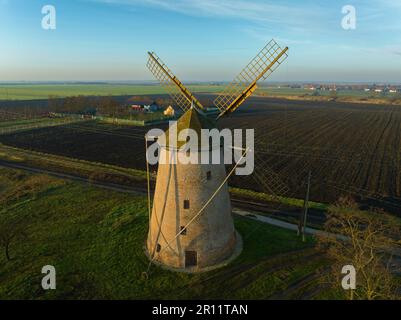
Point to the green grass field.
(43, 91)
(11, 126)
(26, 122)
(300, 92)
(38, 91)
(350, 94)
(299, 203)
(14, 126)
(95, 239)
(91, 171)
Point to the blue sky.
(198, 39)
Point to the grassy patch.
(351, 96)
(43, 91)
(13, 126)
(95, 239)
(85, 169)
(254, 195)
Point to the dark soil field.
(349, 148)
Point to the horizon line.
(155, 82)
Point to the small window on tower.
(188, 152)
(209, 175)
(183, 231)
(186, 204)
(158, 247)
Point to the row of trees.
(8, 113)
(86, 105)
(162, 102)
(106, 105)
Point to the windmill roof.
(191, 119)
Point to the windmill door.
(191, 259)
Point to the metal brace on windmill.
(191, 227)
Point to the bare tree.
(367, 242)
(54, 104)
(108, 106)
(10, 231)
(25, 187)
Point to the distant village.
(374, 88)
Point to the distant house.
(392, 90)
(152, 107)
(366, 89)
(169, 112)
(378, 90)
(144, 107)
(137, 108)
(90, 111)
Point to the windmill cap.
(191, 119)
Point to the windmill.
(190, 225)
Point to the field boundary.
(13, 128)
(116, 121)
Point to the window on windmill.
(158, 247)
(209, 175)
(186, 204)
(188, 150)
(183, 231)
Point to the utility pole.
(303, 218)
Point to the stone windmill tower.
(191, 226)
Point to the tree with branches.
(366, 240)
(10, 232)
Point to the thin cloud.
(253, 11)
(297, 23)
(377, 51)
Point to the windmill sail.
(178, 92)
(261, 67)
